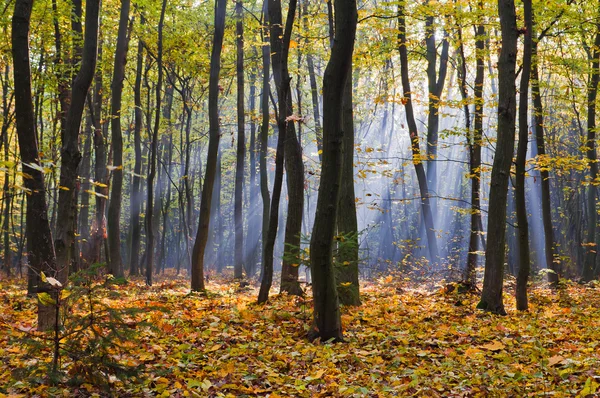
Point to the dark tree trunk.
(326, 307)
(153, 153)
(280, 40)
(40, 247)
(491, 295)
(414, 138)
(590, 257)
(114, 207)
(347, 224)
(475, 141)
(264, 130)
(241, 146)
(213, 149)
(522, 223)
(136, 194)
(252, 238)
(70, 155)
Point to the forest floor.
(403, 341)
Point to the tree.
(40, 246)
(114, 208)
(524, 259)
(327, 318)
(213, 148)
(70, 155)
(153, 153)
(491, 295)
(241, 145)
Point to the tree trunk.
(347, 224)
(414, 138)
(136, 194)
(436, 81)
(326, 308)
(213, 146)
(70, 155)
(153, 153)
(238, 271)
(40, 247)
(264, 130)
(524, 256)
(590, 257)
(491, 295)
(114, 207)
(470, 277)
(544, 174)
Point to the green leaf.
(46, 299)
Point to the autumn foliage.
(403, 341)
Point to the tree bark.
(326, 307)
(491, 295)
(213, 146)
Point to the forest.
(305, 198)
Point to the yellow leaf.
(493, 346)
(46, 299)
(346, 284)
(293, 44)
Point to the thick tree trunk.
(238, 271)
(40, 247)
(70, 155)
(326, 307)
(491, 295)
(153, 153)
(213, 146)
(523, 225)
(347, 224)
(414, 139)
(136, 194)
(114, 208)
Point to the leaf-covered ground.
(401, 342)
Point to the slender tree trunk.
(326, 308)
(414, 138)
(70, 155)
(136, 194)
(213, 149)
(153, 153)
(436, 81)
(524, 257)
(264, 130)
(252, 238)
(544, 174)
(475, 142)
(590, 257)
(40, 247)
(491, 295)
(114, 207)
(241, 146)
